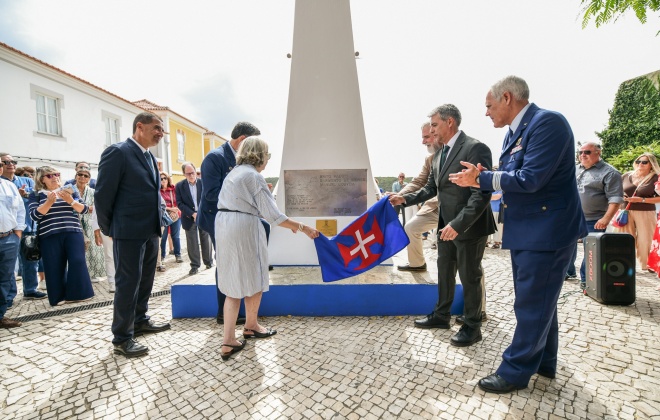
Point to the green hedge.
(634, 125)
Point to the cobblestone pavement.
(61, 365)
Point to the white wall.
(82, 107)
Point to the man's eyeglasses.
(189, 173)
(10, 162)
(584, 152)
(50, 176)
(642, 162)
(83, 175)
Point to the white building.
(54, 118)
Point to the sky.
(217, 62)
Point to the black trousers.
(465, 257)
(135, 265)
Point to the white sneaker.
(95, 280)
(42, 285)
(111, 286)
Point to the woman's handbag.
(174, 214)
(620, 219)
(166, 220)
(30, 245)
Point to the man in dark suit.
(188, 196)
(127, 202)
(465, 221)
(543, 220)
(215, 167)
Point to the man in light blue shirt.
(12, 223)
(29, 269)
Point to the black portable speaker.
(610, 267)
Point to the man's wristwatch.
(477, 179)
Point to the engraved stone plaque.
(325, 192)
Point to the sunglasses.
(584, 152)
(51, 176)
(163, 179)
(642, 162)
(83, 175)
(10, 162)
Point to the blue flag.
(371, 239)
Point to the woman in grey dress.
(241, 246)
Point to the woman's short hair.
(41, 171)
(252, 151)
(169, 179)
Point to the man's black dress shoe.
(432, 321)
(466, 336)
(149, 327)
(270, 268)
(498, 385)
(546, 374)
(131, 348)
(193, 271)
(460, 320)
(407, 267)
(220, 319)
(209, 266)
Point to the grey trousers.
(194, 238)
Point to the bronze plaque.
(325, 192)
(328, 227)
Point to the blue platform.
(326, 299)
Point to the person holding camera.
(60, 237)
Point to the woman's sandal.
(234, 350)
(256, 334)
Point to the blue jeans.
(590, 228)
(8, 253)
(176, 231)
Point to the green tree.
(634, 125)
(634, 118)
(605, 11)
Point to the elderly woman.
(241, 246)
(93, 252)
(61, 240)
(638, 191)
(169, 197)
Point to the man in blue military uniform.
(542, 221)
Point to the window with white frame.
(49, 107)
(181, 145)
(48, 115)
(111, 130)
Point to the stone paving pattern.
(63, 367)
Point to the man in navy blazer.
(127, 204)
(215, 167)
(543, 220)
(189, 206)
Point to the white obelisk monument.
(325, 176)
